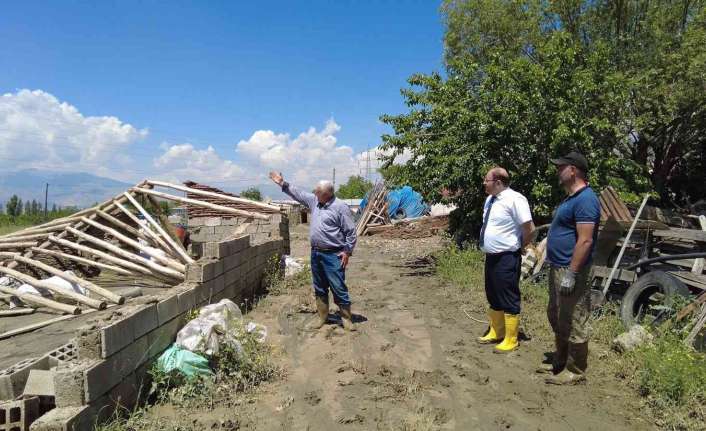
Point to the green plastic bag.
(186, 362)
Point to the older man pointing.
(332, 236)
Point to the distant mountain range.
(80, 189)
(65, 189)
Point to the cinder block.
(232, 261)
(167, 309)
(203, 291)
(104, 375)
(218, 268)
(63, 354)
(162, 337)
(114, 338)
(196, 221)
(144, 320)
(212, 221)
(187, 299)
(232, 275)
(13, 379)
(209, 270)
(39, 383)
(19, 415)
(194, 272)
(65, 419)
(219, 283)
(69, 383)
(88, 341)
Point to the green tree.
(14, 206)
(252, 193)
(526, 81)
(355, 188)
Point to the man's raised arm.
(304, 198)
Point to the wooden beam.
(16, 245)
(40, 301)
(216, 207)
(126, 227)
(43, 284)
(110, 296)
(82, 260)
(21, 238)
(688, 234)
(214, 195)
(164, 235)
(132, 243)
(103, 255)
(16, 312)
(132, 257)
(156, 239)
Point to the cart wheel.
(645, 300)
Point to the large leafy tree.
(622, 81)
(355, 188)
(252, 193)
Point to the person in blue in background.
(333, 237)
(570, 244)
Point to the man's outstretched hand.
(276, 177)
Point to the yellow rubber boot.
(512, 329)
(496, 333)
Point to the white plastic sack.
(291, 266)
(154, 251)
(216, 323)
(56, 281)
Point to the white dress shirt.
(508, 213)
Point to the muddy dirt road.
(413, 363)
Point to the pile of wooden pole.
(421, 227)
(375, 211)
(119, 235)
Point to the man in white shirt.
(507, 228)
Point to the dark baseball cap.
(574, 158)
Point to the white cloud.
(184, 162)
(39, 131)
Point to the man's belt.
(327, 250)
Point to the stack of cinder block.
(214, 229)
(115, 355)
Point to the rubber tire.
(667, 285)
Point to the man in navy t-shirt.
(570, 244)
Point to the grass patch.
(237, 373)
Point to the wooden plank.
(620, 274)
(688, 277)
(679, 233)
(698, 267)
(691, 307)
(82, 260)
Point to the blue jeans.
(327, 273)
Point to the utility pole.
(367, 167)
(46, 199)
(334, 179)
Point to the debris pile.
(643, 258)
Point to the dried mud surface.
(413, 363)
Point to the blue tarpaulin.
(403, 203)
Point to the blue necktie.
(485, 220)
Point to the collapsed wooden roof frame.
(54, 239)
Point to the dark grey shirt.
(331, 225)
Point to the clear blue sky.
(213, 72)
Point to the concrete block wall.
(215, 229)
(113, 357)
